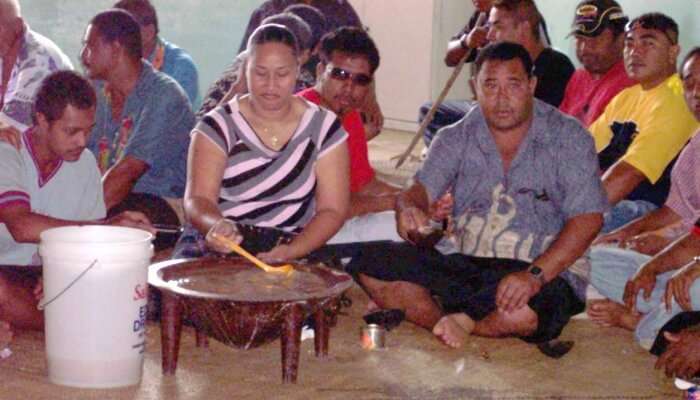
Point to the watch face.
(535, 270)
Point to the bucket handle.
(42, 305)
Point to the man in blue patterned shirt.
(143, 120)
(527, 203)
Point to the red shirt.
(361, 173)
(585, 98)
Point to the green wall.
(210, 30)
(560, 13)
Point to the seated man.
(519, 21)
(643, 128)
(163, 56)
(51, 182)
(232, 82)
(630, 265)
(662, 288)
(142, 125)
(598, 28)
(27, 58)
(528, 202)
(349, 59)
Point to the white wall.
(412, 37)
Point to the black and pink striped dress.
(264, 187)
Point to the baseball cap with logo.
(593, 16)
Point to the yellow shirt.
(660, 119)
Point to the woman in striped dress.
(268, 169)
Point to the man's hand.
(11, 135)
(442, 207)
(678, 287)
(617, 236)
(515, 290)
(410, 219)
(132, 219)
(649, 243)
(682, 356)
(374, 119)
(643, 280)
(477, 37)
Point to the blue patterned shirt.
(553, 178)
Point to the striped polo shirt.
(264, 187)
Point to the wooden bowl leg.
(202, 338)
(321, 333)
(170, 329)
(291, 342)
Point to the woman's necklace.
(273, 137)
(267, 130)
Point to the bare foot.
(454, 329)
(5, 334)
(608, 313)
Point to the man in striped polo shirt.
(51, 181)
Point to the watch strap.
(538, 273)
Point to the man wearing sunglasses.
(644, 127)
(598, 33)
(349, 59)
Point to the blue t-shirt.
(553, 178)
(178, 65)
(154, 127)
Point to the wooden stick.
(429, 117)
(481, 20)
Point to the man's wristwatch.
(537, 272)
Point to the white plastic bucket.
(95, 330)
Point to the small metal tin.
(373, 337)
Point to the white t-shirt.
(72, 191)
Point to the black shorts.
(468, 284)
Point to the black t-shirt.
(553, 70)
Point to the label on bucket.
(139, 325)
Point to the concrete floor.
(604, 363)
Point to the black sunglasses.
(343, 75)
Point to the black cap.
(593, 16)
